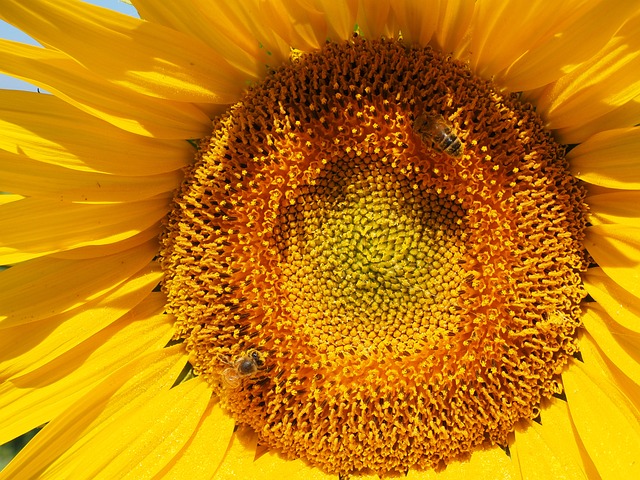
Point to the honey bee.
(434, 129)
(244, 366)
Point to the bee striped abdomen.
(435, 130)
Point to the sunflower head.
(399, 240)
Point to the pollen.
(412, 288)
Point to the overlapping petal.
(308, 24)
(32, 178)
(47, 286)
(619, 207)
(34, 397)
(168, 64)
(228, 27)
(485, 464)
(373, 19)
(83, 88)
(46, 129)
(551, 447)
(620, 345)
(571, 42)
(144, 440)
(620, 148)
(503, 32)
(442, 24)
(37, 227)
(27, 347)
(606, 80)
(241, 459)
(54, 450)
(616, 248)
(607, 422)
(626, 115)
(621, 305)
(209, 441)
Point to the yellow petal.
(373, 476)
(272, 465)
(47, 129)
(568, 46)
(34, 227)
(144, 439)
(607, 425)
(340, 17)
(26, 347)
(210, 441)
(142, 56)
(626, 115)
(216, 25)
(620, 305)
(374, 19)
(93, 251)
(452, 20)
(501, 32)
(607, 80)
(626, 387)
(557, 438)
(609, 159)
(239, 455)
(47, 286)
(453, 27)
(73, 83)
(307, 24)
(621, 346)
(618, 207)
(241, 460)
(298, 22)
(32, 178)
(417, 20)
(36, 397)
(244, 22)
(551, 449)
(616, 248)
(489, 463)
(130, 387)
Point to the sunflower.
(320, 239)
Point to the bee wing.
(231, 377)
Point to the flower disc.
(361, 294)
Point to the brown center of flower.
(375, 260)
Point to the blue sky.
(11, 33)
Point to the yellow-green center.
(370, 262)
